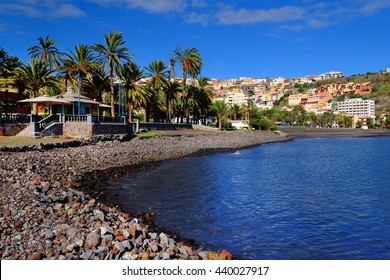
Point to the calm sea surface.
(323, 198)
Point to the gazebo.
(67, 103)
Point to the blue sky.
(235, 38)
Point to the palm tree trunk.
(112, 101)
(220, 122)
(130, 113)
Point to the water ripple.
(305, 199)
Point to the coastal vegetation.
(108, 73)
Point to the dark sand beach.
(55, 203)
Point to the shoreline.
(56, 204)
(311, 132)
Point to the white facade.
(357, 107)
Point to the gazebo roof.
(72, 97)
(45, 99)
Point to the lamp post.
(78, 92)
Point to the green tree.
(80, 62)
(221, 109)
(172, 91)
(235, 111)
(35, 75)
(157, 72)
(191, 65)
(201, 99)
(98, 83)
(137, 95)
(46, 51)
(112, 55)
(8, 64)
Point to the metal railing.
(48, 121)
(76, 118)
(15, 118)
(104, 119)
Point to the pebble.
(59, 207)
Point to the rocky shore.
(55, 203)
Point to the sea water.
(326, 198)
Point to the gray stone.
(87, 255)
(164, 256)
(126, 244)
(49, 234)
(46, 198)
(153, 236)
(99, 215)
(164, 241)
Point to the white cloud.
(153, 6)
(373, 6)
(230, 16)
(41, 9)
(67, 10)
(198, 4)
(197, 18)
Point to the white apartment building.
(329, 75)
(238, 98)
(357, 107)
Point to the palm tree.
(8, 64)
(36, 75)
(191, 64)
(113, 54)
(172, 89)
(82, 62)
(137, 96)
(97, 83)
(46, 51)
(157, 73)
(220, 108)
(235, 111)
(313, 118)
(202, 96)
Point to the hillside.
(381, 88)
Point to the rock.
(45, 186)
(70, 247)
(105, 230)
(87, 255)
(153, 236)
(49, 234)
(35, 256)
(228, 255)
(203, 255)
(132, 230)
(99, 215)
(127, 245)
(92, 240)
(216, 256)
(164, 241)
(164, 256)
(46, 198)
(58, 207)
(145, 256)
(117, 249)
(120, 238)
(127, 256)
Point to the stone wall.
(88, 129)
(54, 129)
(119, 128)
(74, 129)
(162, 126)
(11, 129)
